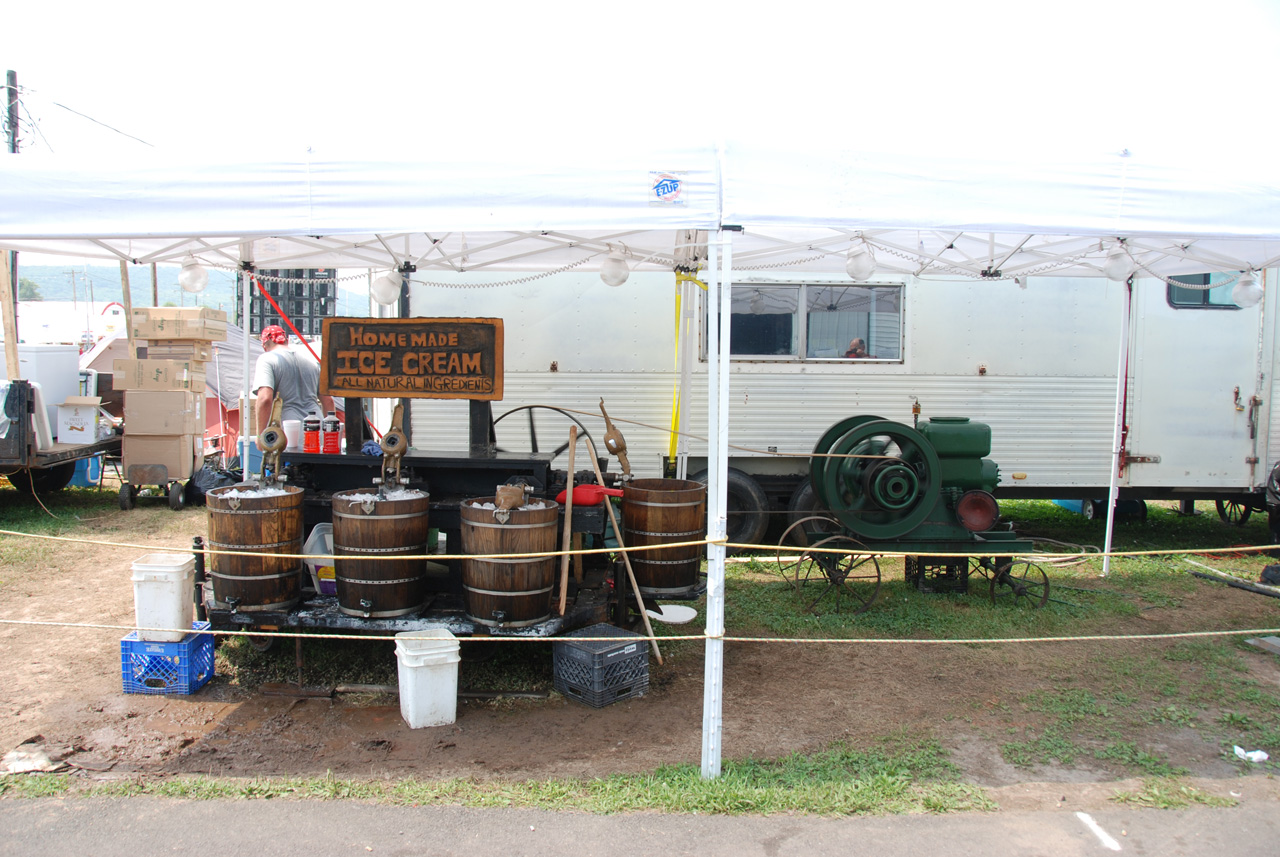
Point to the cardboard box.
(178, 454)
(78, 420)
(163, 412)
(178, 323)
(198, 350)
(158, 375)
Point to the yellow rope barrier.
(728, 638)
(767, 549)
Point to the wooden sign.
(425, 358)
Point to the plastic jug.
(311, 433)
(332, 434)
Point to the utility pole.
(11, 85)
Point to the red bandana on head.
(274, 333)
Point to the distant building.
(306, 295)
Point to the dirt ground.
(63, 685)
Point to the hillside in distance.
(101, 283)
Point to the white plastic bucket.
(427, 667)
(293, 433)
(162, 595)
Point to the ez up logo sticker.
(666, 188)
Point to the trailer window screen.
(814, 321)
(1199, 292)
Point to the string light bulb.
(386, 289)
(614, 270)
(193, 277)
(861, 263)
(1119, 265)
(1247, 292)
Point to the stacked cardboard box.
(165, 392)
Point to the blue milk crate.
(182, 667)
(599, 672)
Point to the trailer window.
(1199, 292)
(815, 321)
(765, 321)
(838, 315)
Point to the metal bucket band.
(643, 533)
(512, 561)
(270, 511)
(382, 614)
(493, 623)
(508, 526)
(362, 550)
(636, 560)
(631, 502)
(380, 582)
(242, 548)
(241, 578)
(508, 592)
(257, 608)
(668, 592)
(379, 517)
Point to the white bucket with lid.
(427, 668)
(162, 595)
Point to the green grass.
(1167, 793)
(902, 774)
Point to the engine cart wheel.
(128, 496)
(1024, 583)
(533, 431)
(262, 644)
(849, 571)
(790, 557)
(1233, 512)
(177, 496)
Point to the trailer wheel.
(44, 480)
(805, 506)
(1234, 513)
(748, 512)
(177, 496)
(128, 496)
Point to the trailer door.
(1193, 364)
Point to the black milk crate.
(599, 672)
(154, 667)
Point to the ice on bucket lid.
(269, 491)
(404, 494)
(527, 507)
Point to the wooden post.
(10, 311)
(568, 521)
(128, 307)
(617, 534)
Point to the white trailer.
(1036, 360)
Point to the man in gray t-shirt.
(283, 372)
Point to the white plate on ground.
(673, 614)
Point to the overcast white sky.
(235, 74)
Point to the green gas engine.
(923, 491)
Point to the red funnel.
(588, 495)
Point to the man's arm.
(262, 410)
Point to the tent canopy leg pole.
(718, 294)
(1122, 383)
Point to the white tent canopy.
(454, 208)
(736, 208)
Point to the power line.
(103, 124)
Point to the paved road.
(129, 827)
